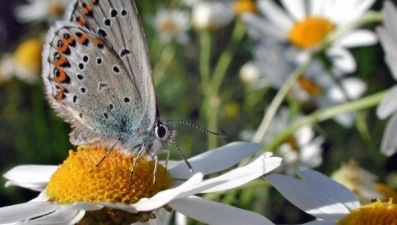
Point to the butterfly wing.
(99, 78)
(118, 23)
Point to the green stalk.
(325, 114)
(278, 99)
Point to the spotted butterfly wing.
(97, 75)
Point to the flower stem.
(325, 114)
(278, 99)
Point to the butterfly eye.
(161, 131)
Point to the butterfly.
(97, 76)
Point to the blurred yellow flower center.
(56, 9)
(309, 86)
(28, 54)
(168, 26)
(79, 179)
(293, 143)
(310, 31)
(244, 6)
(372, 214)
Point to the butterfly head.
(164, 132)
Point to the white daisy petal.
(391, 62)
(345, 119)
(331, 188)
(389, 141)
(241, 175)
(390, 18)
(358, 10)
(275, 14)
(258, 27)
(166, 196)
(342, 59)
(317, 7)
(358, 37)
(214, 160)
(296, 8)
(308, 199)
(388, 104)
(25, 211)
(215, 213)
(58, 217)
(32, 177)
(353, 86)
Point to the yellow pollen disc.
(28, 54)
(377, 213)
(310, 87)
(310, 32)
(244, 6)
(168, 26)
(79, 179)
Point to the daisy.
(80, 191)
(300, 151)
(172, 24)
(360, 181)
(316, 86)
(41, 10)
(331, 202)
(25, 63)
(388, 106)
(304, 24)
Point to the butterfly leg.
(155, 158)
(138, 156)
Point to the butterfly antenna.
(199, 128)
(183, 156)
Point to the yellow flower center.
(56, 9)
(310, 87)
(79, 179)
(168, 26)
(310, 32)
(28, 54)
(244, 6)
(377, 213)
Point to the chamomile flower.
(25, 63)
(316, 86)
(360, 181)
(300, 151)
(331, 202)
(172, 24)
(388, 39)
(304, 24)
(41, 10)
(79, 191)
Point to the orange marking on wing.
(81, 20)
(94, 1)
(63, 48)
(87, 9)
(97, 41)
(61, 93)
(82, 39)
(69, 40)
(61, 76)
(61, 60)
